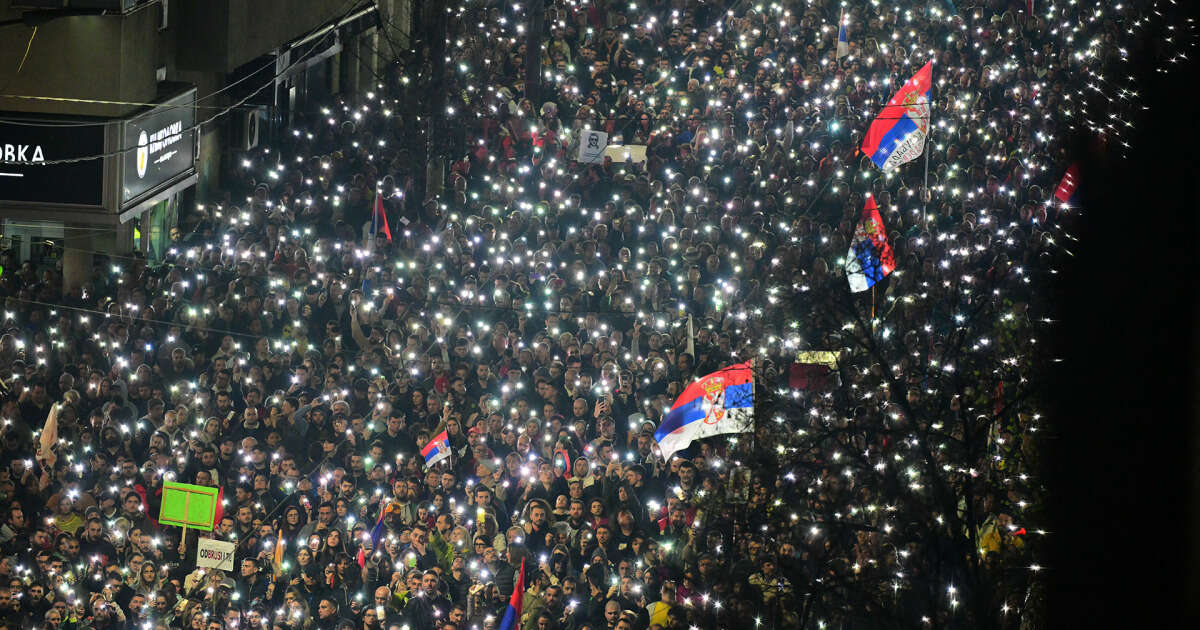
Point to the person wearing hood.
(121, 407)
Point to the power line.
(123, 150)
(462, 308)
(429, 301)
(135, 318)
(158, 107)
(65, 124)
(97, 101)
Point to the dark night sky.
(1125, 458)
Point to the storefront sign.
(165, 147)
(29, 149)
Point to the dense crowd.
(538, 310)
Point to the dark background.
(1123, 459)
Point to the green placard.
(186, 505)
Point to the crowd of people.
(544, 313)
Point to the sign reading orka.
(31, 166)
(22, 153)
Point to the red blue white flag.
(379, 218)
(870, 258)
(721, 402)
(512, 613)
(898, 134)
(437, 449)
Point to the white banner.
(591, 146)
(621, 152)
(215, 553)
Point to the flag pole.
(837, 36)
(371, 237)
(691, 340)
(753, 417)
(925, 194)
(374, 220)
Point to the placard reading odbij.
(217, 554)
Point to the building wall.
(203, 43)
(242, 30)
(108, 58)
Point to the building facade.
(115, 114)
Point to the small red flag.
(380, 215)
(1066, 187)
(219, 513)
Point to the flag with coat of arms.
(870, 258)
(717, 403)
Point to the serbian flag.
(870, 257)
(437, 449)
(512, 614)
(721, 402)
(843, 43)
(1065, 192)
(378, 216)
(898, 134)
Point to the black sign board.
(26, 145)
(165, 146)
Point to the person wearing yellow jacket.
(660, 610)
(998, 534)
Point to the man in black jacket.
(251, 585)
(327, 614)
(92, 543)
(428, 605)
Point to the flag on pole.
(277, 554)
(898, 134)
(512, 614)
(379, 218)
(1065, 191)
(691, 342)
(843, 42)
(437, 449)
(219, 510)
(721, 402)
(49, 437)
(377, 531)
(870, 258)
